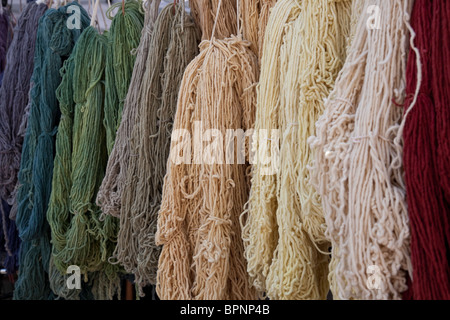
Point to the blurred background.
(17, 6)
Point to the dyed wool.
(174, 45)
(284, 234)
(203, 194)
(357, 169)
(78, 236)
(54, 44)
(14, 95)
(13, 100)
(426, 151)
(203, 12)
(124, 36)
(254, 15)
(110, 192)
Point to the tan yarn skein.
(357, 169)
(198, 224)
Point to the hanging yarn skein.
(78, 236)
(54, 44)
(259, 232)
(427, 151)
(357, 170)
(204, 189)
(14, 96)
(109, 196)
(124, 36)
(173, 46)
(286, 248)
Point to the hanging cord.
(123, 7)
(183, 4)
(238, 19)
(215, 21)
(182, 15)
(103, 17)
(94, 14)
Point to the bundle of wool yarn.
(207, 180)
(283, 232)
(357, 170)
(426, 151)
(14, 97)
(54, 44)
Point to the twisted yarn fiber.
(204, 13)
(249, 15)
(173, 46)
(78, 236)
(54, 44)
(124, 36)
(285, 245)
(198, 224)
(357, 169)
(14, 96)
(111, 190)
(426, 151)
(254, 15)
